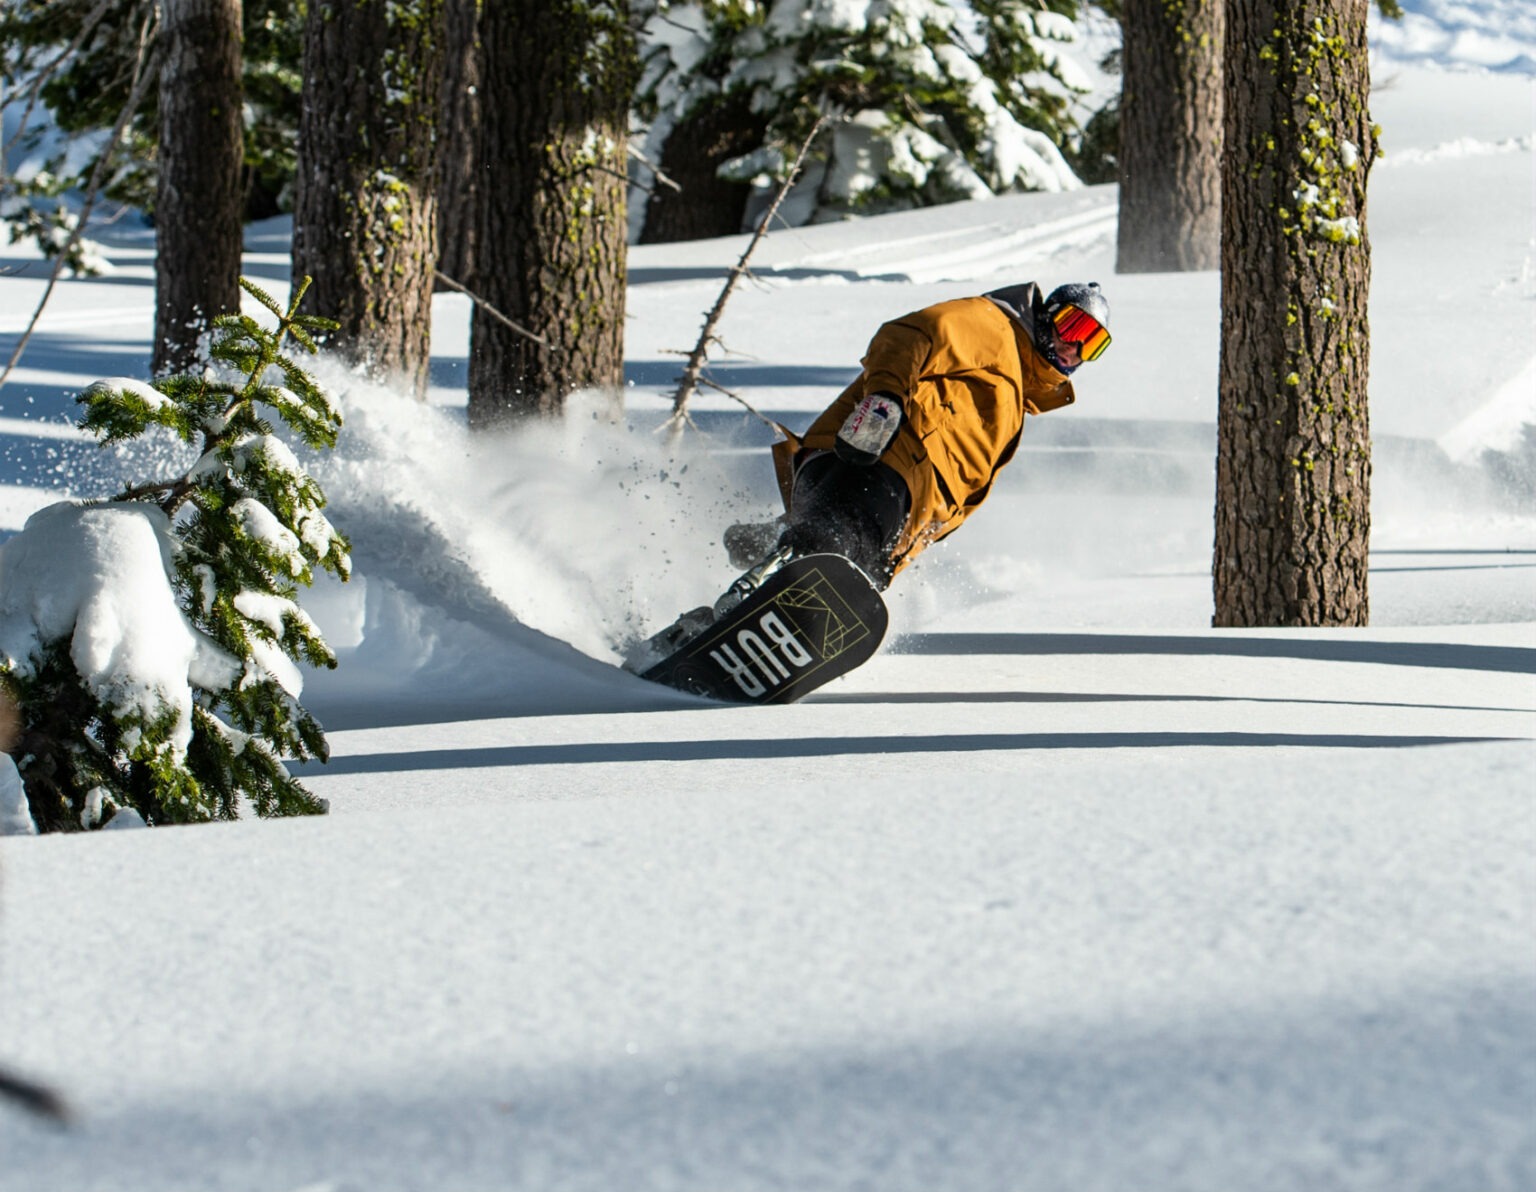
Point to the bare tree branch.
(44, 73)
(37, 1098)
(655, 172)
(146, 67)
(176, 492)
(489, 309)
(743, 402)
(688, 383)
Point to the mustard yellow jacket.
(967, 372)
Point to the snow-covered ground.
(1063, 890)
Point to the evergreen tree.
(198, 237)
(40, 46)
(1165, 132)
(74, 60)
(458, 141)
(1170, 137)
(1294, 456)
(365, 223)
(946, 100)
(151, 642)
(941, 101)
(553, 235)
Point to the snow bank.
(98, 577)
(1498, 424)
(15, 814)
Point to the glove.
(869, 429)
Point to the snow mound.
(1498, 424)
(97, 576)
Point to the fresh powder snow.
(1063, 889)
(98, 577)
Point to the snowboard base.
(813, 620)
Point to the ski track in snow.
(1462, 147)
(962, 253)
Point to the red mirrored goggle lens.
(1076, 326)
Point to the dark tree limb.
(489, 309)
(35, 1098)
(145, 69)
(698, 359)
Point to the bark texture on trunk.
(558, 81)
(1170, 136)
(198, 197)
(459, 163)
(365, 224)
(1294, 463)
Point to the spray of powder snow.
(591, 532)
(588, 530)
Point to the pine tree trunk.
(1294, 465)
(706, 205)
(558, 82)
(198, 198)
(1170, 137)
(459, 143)
(364, 225)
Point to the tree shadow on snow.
(1101, 697)
(781, 748)
(1445, 655)
(1413, 1088)
(40, 270)
(67, 352)
(742, 373)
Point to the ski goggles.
(1076, 326)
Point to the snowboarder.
(911, 448)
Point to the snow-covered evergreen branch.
(939, 101)
(153, 642)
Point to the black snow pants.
(854, 511)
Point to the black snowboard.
(814, 619)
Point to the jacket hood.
(1023, 304)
